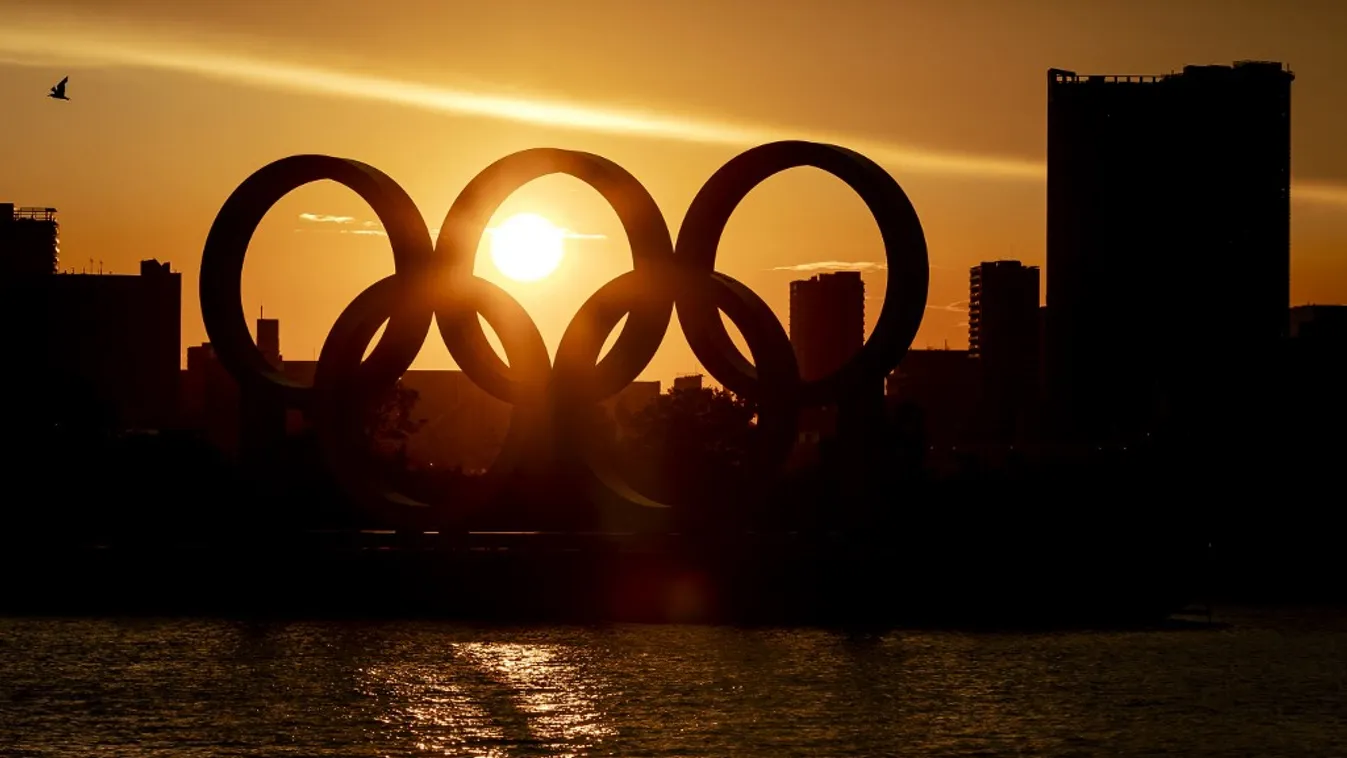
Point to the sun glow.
(527, 247)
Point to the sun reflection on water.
(442, 715)
(558, 699)
(485, 697)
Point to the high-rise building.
(269, 341)
(88, 349)
(827, 321)
(1164, 191)
(1003, 312)
(30, 241)
(1003, 327)
(97, 349)
(944, 386)
(827, 328)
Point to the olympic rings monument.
(434, 283)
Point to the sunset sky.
(174, 103)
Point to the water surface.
(1264, 683)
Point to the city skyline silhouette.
(942, 378)
(800, 219)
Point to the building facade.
(91, 350)
(827, 321)
(1164, 191)
(1003, 308)
(30, 241)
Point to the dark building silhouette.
(1003, 334)
(1308, 444)
(1326, 324)
(99, 350)
(210, 399)
(461, 425)
(269, 340)
(1164, 191)
(827, 328)
(91, 350)
(262, 433)
(214, 404)
(827, 321)
(943, 386)
(1316, 372)
(688, 382)
(30, 241)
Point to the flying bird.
(58, 92)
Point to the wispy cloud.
(958, 306)
(331, 224)
(832, 266)
(355, 232)
(323, 218)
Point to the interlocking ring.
(548, 400)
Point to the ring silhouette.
(435, 281)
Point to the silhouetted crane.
(58, 92)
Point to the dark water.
(1270, 683)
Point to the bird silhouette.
(58, 92)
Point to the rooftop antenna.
(100, 267)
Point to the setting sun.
(527, 247)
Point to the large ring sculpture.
(436, 280)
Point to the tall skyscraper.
(827, 328)
(827, 321)
(1164, 192)
(269, 341)
(30, 241)
(1003, 337)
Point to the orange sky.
(173, 104)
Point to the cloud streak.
(355, 232)
(104, 45)
(1319, 193)
(831, 266)
(329, 221)
(958, 306)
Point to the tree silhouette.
(390, 422)
(691, 447)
